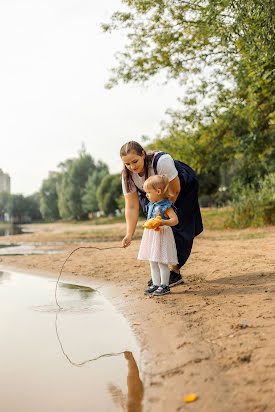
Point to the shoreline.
(211, 336)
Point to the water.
(82, 358)
(11, 230)
(30, 248)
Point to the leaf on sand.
(136, 323)
(190, 398)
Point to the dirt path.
(213, 336)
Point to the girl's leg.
(164, 274)
(155, 272)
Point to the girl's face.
(153, 195)
(134, 162)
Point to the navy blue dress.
(187, 206)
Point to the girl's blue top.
(154, 209)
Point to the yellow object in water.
(153, 223)
(191, 398)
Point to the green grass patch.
(5, 225)
(238, 236)
(216, 219)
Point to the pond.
(11, 230)
(30, 248)
(83, 357)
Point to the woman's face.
(134, 162)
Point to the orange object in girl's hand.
(153, 223)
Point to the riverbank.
(213, 336)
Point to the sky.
(55, 61)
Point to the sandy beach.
(213, 335)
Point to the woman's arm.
(174, 188)
(131, 215)
(173, 218)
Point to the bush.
(254, 206)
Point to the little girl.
(159, 247)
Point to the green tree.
(49, 197)
(225, 51)
(108, 194)
(4, 204)
(17, 207)
(32, 206)
(75, 173)
(89, 199)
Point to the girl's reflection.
(135, 388)
(135, 385)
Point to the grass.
(5, 225)
(238, 236)
(213, 219)
(101, 221)
(216, 218)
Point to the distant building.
(5, 182)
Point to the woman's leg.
(164, 274)
(184, 247)
(155, 272)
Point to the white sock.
(155, 272)
(164, 274)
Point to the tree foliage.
(20, 208)
(32, 206)
(108, 194)
(75, 174)
(89, 199)
(224, 51)
(4, 204)
(49, 197)
(71, 193)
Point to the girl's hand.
(126, 241)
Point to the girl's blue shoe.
(161, 290)
(151, 289)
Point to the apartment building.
(5, 182)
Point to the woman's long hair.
(134, 147)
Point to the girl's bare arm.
(131, 216)
(173, 218)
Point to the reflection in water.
(3, 276)
(133, 401)
(134, 384)
(84, 291)
(11, 230)
(47, 348)
(28, 248)
(67, 356)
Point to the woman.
(183, 183)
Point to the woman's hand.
(126, 241)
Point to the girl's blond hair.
(158, 182)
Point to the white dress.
(158, 246)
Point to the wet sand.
(213, 336)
